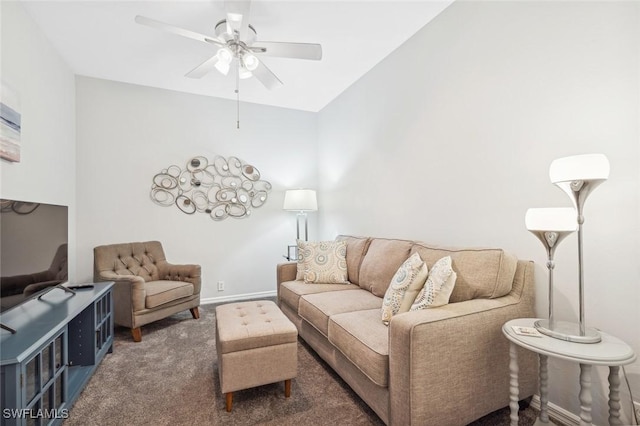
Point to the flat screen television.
(33, 250)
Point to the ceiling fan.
(236, 45)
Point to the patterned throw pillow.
(438, 288)
(407, 281)
(323, 262)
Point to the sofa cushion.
(323, 261)
(381, 262)
(356, 249)
(290, 291)
(317, 308)
(362, 338)
(482, 272)
(437, 290)
(161, 292)
(406, 283)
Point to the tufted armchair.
(147, 288)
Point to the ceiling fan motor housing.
(226, 36)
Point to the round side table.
(611, 352)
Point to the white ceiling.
(100, 39)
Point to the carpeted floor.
(171, 378)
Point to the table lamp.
(300, 201)
(551, 226)
(578, 176)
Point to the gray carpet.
(171, 378)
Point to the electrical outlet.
(220, 285)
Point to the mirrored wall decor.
(222, 188)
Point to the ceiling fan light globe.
(222, 67)
(250, 62)
(224, 56)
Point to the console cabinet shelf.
(59, 343)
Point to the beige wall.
(46, 86)
(128, 133)
(450, 138)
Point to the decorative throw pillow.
(438, 288)
(323, 261)
(405, 284)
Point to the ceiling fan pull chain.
(238, 94)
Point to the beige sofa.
(442, 366)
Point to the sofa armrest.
(188, 273)
(285, 272)
(128, 292)
(459, 351)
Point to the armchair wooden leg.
(229, 396)
(137, 334)
(195, 313)
(287, 388)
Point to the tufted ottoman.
(256, 345)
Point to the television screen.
(33, 249)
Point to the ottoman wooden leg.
(287, 388)
(229, 396)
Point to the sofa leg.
(137, 334)
(229, 398)
(195, 313)
(287, 388)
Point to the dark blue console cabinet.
(60, 340)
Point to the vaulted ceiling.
(100, 39)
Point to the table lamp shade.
(551, 225)
(300, 200)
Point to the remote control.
(80, 286)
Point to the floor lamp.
(300, 201)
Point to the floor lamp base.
(568, 331)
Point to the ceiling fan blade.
(266, 76)
(288, 50)
(238, 17)
(204, 68)
(177, 30)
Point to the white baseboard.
(556, 413)
(562, 416)
(238, 297)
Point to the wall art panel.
(221, 188)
